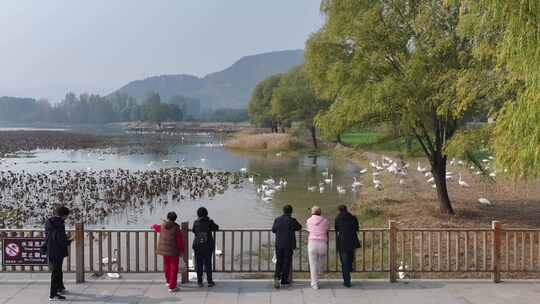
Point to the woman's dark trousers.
(346, 257)
(283, 264)
(57, 284)
(203, 263)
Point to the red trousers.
(170, 267)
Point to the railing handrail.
(493, 250)
(150, 230)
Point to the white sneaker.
(174, 289)
(315, 287)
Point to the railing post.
(185, 235)
(292, 259)
(392, 254)
(79, 253)
(496, 252)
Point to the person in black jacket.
(204, 245)
(56, 247)
(284, 228)
(347, 241)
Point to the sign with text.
(23, 252)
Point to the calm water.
(240, 207)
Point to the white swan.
(329, 180)
(462, 183)
(356, 183)
(402, 274)
(484, 201)
(420, 168)
(113, 260)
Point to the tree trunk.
(338, 139)
(313, 136)
(438, 169)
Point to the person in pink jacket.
(317, 226)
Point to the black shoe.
(211, 284)
(347, 284)
(62, 291)
(285, 283)
(200, 284)
(57, 298)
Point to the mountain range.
(229, 88)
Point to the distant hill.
(230, 88)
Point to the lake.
(240, 207)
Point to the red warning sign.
(23, 251)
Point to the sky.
(50, 47)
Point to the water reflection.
(240, 207)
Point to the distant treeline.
(95, 109)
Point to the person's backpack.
(201, 239)
(202, 236)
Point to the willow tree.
(294, 99)
(260, 106)
(509, 32)
(398, 62)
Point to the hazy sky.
(48, 47)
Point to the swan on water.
(329, 180)
(356, 183)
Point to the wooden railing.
(386, 250)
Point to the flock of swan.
(386, 165)
(269, 187)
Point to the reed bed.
(263, 141)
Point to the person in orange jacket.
(171, 247)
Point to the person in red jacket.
(171, 247)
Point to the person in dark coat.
(56, 248)
(284, 228)
(346, 226)
(204, 245)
